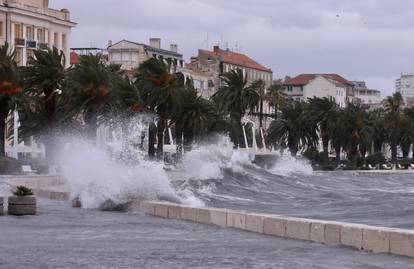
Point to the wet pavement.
(65, 237)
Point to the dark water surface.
(382, 200)
(65, 237)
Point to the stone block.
(147, 207)
(351, 235)
(218, 217)
(203, 215)
(298, 228)
(317, 232)
(236, 219)
(254, 223)
(333, 233)
(402, 242)
(161, 210)
(376, 239)
(188, 213)
(174, 211)
(21, 210)
(274, 225)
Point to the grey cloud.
(369, 39)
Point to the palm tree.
(276, 97)
(358, 130)
(260, 87)
(293, 129)
(379, 134)
(91, 94)
(42, 79)
(407, 137)
(9, 90)
(193, 119)
(324, 112)
(162, 92)
(394, 122)
(339, 137)
(236, 98)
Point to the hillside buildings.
(405, 86)
(366, 96)
(30, 24)
(130, 55)
(333, 86)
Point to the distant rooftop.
(304, 79)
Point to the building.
(30, 24)
(220, 61)
(405, 86)
(332, 86)
(130, 55)
(203, 81)
(366, 96)
(76, 53)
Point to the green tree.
(9, 90)
(236, 97)
(324, 113)
(379, 134)
(394, 122)
(162, 91)
(260, 87)
(407, 137)
(193, 119)
(293, 129)
(42, 79)
(276, 97)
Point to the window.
(29, 33)
(64, 42)
(18, 30)
(19, 56)
(41, 35)
(1, 28)
(56, 40)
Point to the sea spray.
(208, 161)
(97, 180)
(287, 165)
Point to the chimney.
(216, 48)
(174, 48)
(155, 42)
(109, 43)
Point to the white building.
(30, 24)
(366, 96)
(130, 55)
(405, 86)
(332, 86)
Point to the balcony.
(20, 42)
(31, 44)
(43, 46)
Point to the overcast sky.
(371, 40)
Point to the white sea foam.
(208, 161)
(287, 165)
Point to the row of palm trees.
(355, 130)
(52, 99)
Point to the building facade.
(30, 24)
(405, 86)
(333, 86)
(366, 96)
(130, 55)
(203, 81)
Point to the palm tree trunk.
(152, 130)
(3, 117)
(179, 141)
(337, 155)
(261, 113)
(393, 152)
(413, 154)
(188, 140)
(276, 108)
(160, 137)
(325, 145)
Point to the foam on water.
(95, 178)
(287, 165)
(207, 161)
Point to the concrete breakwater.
(360, 237)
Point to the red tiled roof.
(304, 79)
(236, 59)
(74, 58)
